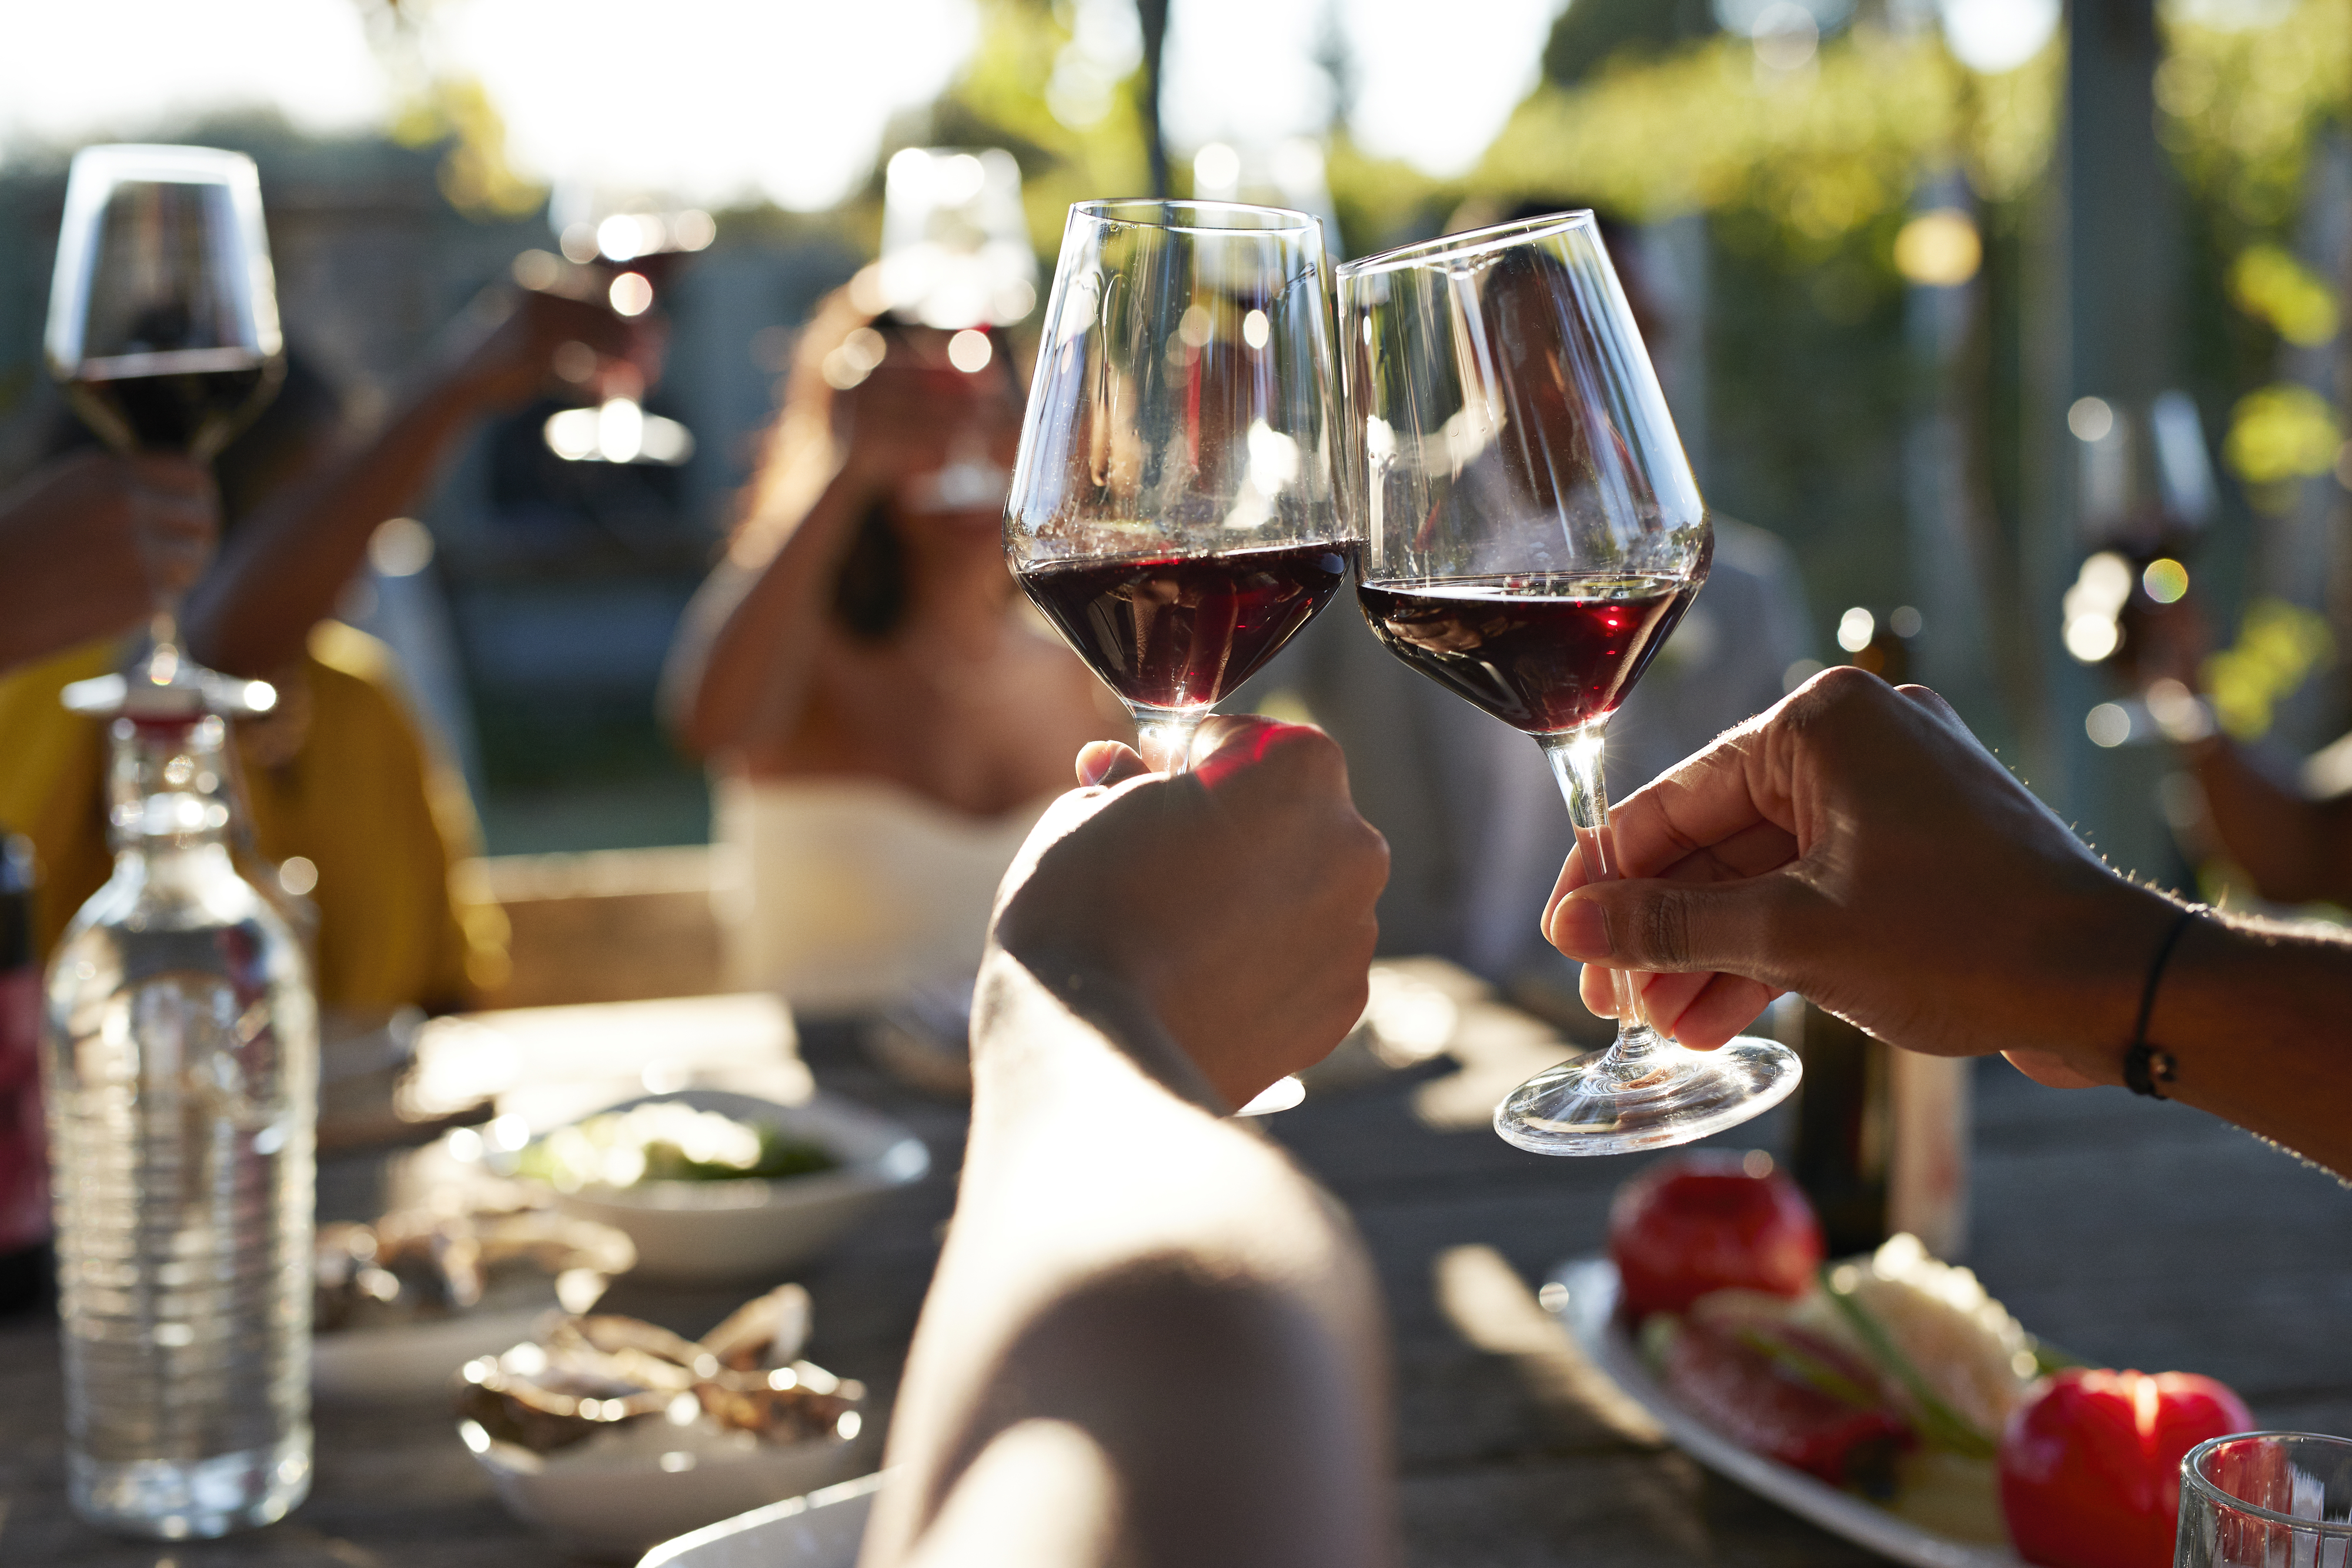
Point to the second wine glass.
(1173, 512)
(1534, 534)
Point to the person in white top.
(883, 714)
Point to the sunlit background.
(1855, 214)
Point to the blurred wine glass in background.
(630, 245)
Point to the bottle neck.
(168, 787)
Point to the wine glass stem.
(1575, 761)
(1166, 741)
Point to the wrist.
(1089, 985)
(2098, 949)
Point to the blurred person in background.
(338, 781)
(1470, 809)
(885, 715)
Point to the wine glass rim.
(1109, 211)
(172, 162)
(1469, 243)
(2194, 1479)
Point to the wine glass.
(1532, 535)
(1172, 510)
(2255, 1499)
(163, 324)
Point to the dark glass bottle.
(26, 1271)
(1882, 1135)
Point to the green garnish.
(1811, 1371)
(666, 1140)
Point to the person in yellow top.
(352, 822)
(336, 782)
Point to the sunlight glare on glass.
(631, 294)
(400, 547)
(970, 350)
(1255, 330)
(2090, 418)
(2108, 724)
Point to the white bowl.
(615, 1497)
(822, 1530)
(703, 1231)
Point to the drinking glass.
(1532, 535)
(162, 323)
(2267, 1500)
(1172, 510)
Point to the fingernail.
(1580, 929)
(1093, 766)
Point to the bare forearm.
(747, 642)
(2258, 1021)
(282, 572)
(1127, 1266)
(2277, 835)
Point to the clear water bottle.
(179, 1067)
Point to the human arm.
(1151, 1339)
(283, 570)
(739, 675)
(91, 542)
(2296, 849)
(1858, 844)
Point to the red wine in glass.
(1545, 654)
(1177, 632)
(150, 402)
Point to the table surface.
(2134, 1233)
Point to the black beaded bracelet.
(2146, 1066)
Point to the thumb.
(1665, 928)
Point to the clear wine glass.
(1533, 533)
(2259, 1498)
(1172, 510)
(163, 324)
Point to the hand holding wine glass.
(1534, 534)
(163, 324)
(90, 542)
(1172, 510)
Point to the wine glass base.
(1589, 1105)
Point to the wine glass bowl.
(163, 324)
(1174, 510)
(1532, 535)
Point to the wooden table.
(2137, 1234)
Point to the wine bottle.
(1882, 1138)
(1882, 1135)
(24, 1269)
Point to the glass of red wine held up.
(1533, 533)
(1172, 510)
(163, 325)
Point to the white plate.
(822, 1530)
(1589, 1313)
(415, 1361)
(698, 1230)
